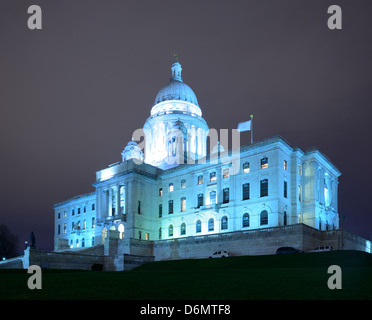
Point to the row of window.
(78, 211)
(76, 226)
(264, 220)
(77, 245)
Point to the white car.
(323, 248)
(219, 254)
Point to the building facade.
(171, 187)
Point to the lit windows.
(300, 170)
(200, 179)
(183, 184)
(212, 176)
(212, 197)
(93, 222)
(183, 204)
(171, 187)
(226, 173)
(246, 167)
(160, 192)
(285, 165)
(264, 163)
(65, 228)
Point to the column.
(109, 208)
(117, 200)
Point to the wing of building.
(172, 198)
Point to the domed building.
(162, 202)
(176, 132)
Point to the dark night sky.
(72, 94)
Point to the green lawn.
(294, 276)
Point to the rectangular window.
(147, 236)
(64, 228)
(93, 222)
(300, 193)
(93, 207)
(226, 195)
(183, 184)
(59, 229)
(160, 210)
(285, 189)
(78, 210)
(212, 176)
(300, 170)
(246, 191)
(226, 173)
(183, 204)
(264, 188)
(139, 207)
(85, 209)
(212, 197)
(171, 187)
(245, 167)
(73, 212)
(200, 200)
(160, 192)
(285, 165)
(264, 163)
(200, 179)
(170, 207)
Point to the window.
(93, 206)
(93, 222)
(264, 188)
(64, 228)
(78, 210)
(183, 184)
(73, 212)
(285, 165)
(170, 206)
(245, 220)
(212, 197)
(85, 209)
(300, 170)
(226, 195)
(139, 207)
(92, 241)
(122, 199)
(211, 224)
(224, 223)
(59, 229)
(171, 187)
(160, 192)
(226, 173)
(264, 219)
(77, 243)
(59, 215)
(83, 242)
(300, 193)
(264, 163)
(84, 224)
(147, 236)
(64, 214)
(170, 231)
(285, 218)
(160, 233)
(160, 210)
(140, 235)
(285, 189)
(245, 167)
(198, 226)
(212, 176)
(200, 200)
(183, 204)
(246, 191)
(183, 229)
(200, 179)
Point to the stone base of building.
(125, 254)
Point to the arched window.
(264, 218)
(198, 226)
(211, 224)
(224, 223)
(183, 229)
(121, 230)
(245, 220)
(170, 230)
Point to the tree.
(8, 243)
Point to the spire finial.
(175, 55)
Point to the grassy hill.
(293, 276)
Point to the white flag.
(244, 126)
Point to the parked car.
(322, 248)
(219, 254)
(284, 250)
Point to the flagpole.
(251, 128)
